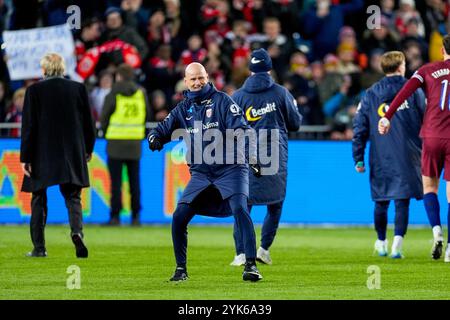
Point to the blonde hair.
(391, 61)
(53, 65)
(20, 93)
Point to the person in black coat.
(57, 142)
(395, 159)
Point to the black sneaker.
(180, 274)
(436, 250)
(37, 254)
(251, 273)
(80, 249)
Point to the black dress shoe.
(113, 222)
(80, 249)
(37, 254)
(135, 222)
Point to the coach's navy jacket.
(209, 109)
(394, 159)
(268, 105)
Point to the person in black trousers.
(57, 141)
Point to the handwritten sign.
(25, 49)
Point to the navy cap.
(260, 61)
(112, 10)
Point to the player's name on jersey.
(441, 72)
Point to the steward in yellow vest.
(124, 114)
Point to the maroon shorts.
(435, 157)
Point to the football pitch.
(135, 263)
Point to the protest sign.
(25, 49)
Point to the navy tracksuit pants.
(184, 214)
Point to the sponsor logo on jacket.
(255, 114)
(235, 110)
(210, 125)
(205, 126)
(383, 108)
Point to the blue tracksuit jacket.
(394, 159)
(212, 109)
(268, 105)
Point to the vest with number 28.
(128, 120)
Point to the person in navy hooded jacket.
(269, 106)
(395, 172)
(215, 189)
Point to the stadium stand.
(325, 63)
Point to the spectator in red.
(162, 59)
(407, 11)
(162, 73)
(251, 11)
(88, 36)
(236, 45)
(15, 112)
(194, 52)
(115, 29)
(157, 32)
(214, 15)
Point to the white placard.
(25, 49)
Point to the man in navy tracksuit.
(216, 189)
(394, 159)
(269, 106)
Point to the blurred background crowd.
(322, 50)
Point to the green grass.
(135, 263)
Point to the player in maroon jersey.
(434, 78)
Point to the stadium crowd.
(322, 50)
